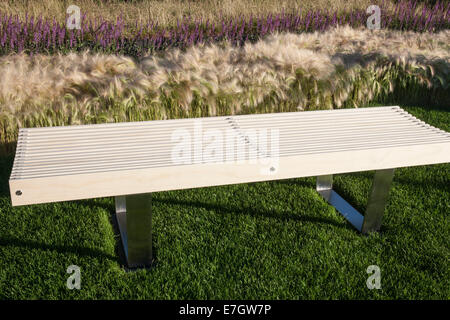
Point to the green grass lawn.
(269, 240)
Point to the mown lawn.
(270, 240)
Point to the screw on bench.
(18, 193)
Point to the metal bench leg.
(134, 217)
(371, 221)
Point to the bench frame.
(134, 215)
(134, 218)
(371, 221)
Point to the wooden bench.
(131, 160)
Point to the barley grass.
(284, 72)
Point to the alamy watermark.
(254, 146)
(374, 20)
(374, 281)
(74, 19)
(74, 281)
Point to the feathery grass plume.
(340, 68)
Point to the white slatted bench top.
(88, 161)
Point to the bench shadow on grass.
(80, 251)
(216, 207)
(282, 216)
(6, 163)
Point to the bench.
(131, 160)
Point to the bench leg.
(134, 217)
(371, 221)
